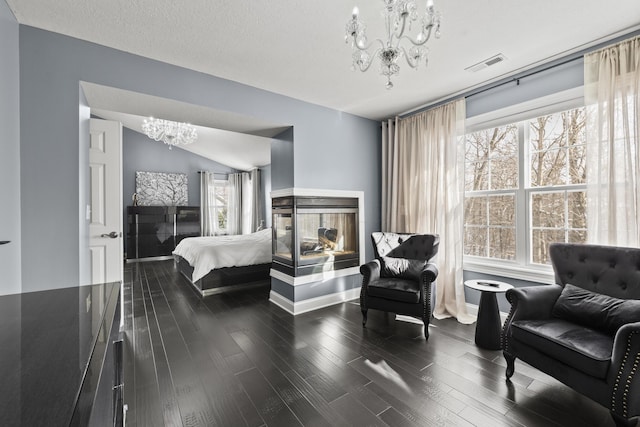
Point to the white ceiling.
(297, 48)
(235, 140)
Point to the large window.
(525, 187)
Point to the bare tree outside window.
(557, 153)
(491, 175)
(220, 195)
(551, 157)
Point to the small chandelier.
(398, 15)
(171, 133)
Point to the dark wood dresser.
(61, 357)
(154, 231)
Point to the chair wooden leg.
(510, 364)
(364, 317)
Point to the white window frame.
(521, 268)
(216, 207)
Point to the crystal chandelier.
(398, 16)
(171, 133)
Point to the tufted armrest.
(528, 303)
(532, 302)
(429, 273)
(370, 271)
(624, 377)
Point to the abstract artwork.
(161, 189)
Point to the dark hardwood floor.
(237, 360)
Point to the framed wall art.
(161, 189)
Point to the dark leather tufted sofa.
(560, 329)
(399, 279)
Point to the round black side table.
(489, 325)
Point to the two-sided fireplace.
(314, 234)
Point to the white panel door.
(105, 226)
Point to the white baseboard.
(312, 303)
(315, 277)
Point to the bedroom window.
(218, 211)
(525, 188)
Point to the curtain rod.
(216, 173)
(516, 78)
(603, 42)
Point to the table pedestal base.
(488, 327)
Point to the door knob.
(4, 242)
(113, 235)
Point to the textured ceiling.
(297, 48)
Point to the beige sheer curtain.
(612, 83)
(257, 201)
(423, 192)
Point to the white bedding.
(206, 253)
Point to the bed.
(215, 264)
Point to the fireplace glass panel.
(283, 241)
(315, 234)
(326, 235)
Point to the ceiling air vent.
(486, 63)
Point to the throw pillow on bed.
(402, 268)
(594, 310)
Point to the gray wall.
(51, 65)
(557, 79)
(10, 255)
(139, 153)
(300, 293)
(266, 192)
(282, 160)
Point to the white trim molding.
(315, 277)
(311, 304)
(542, 275)
(315, 192)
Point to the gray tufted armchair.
(399, 279)
(584, 330)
